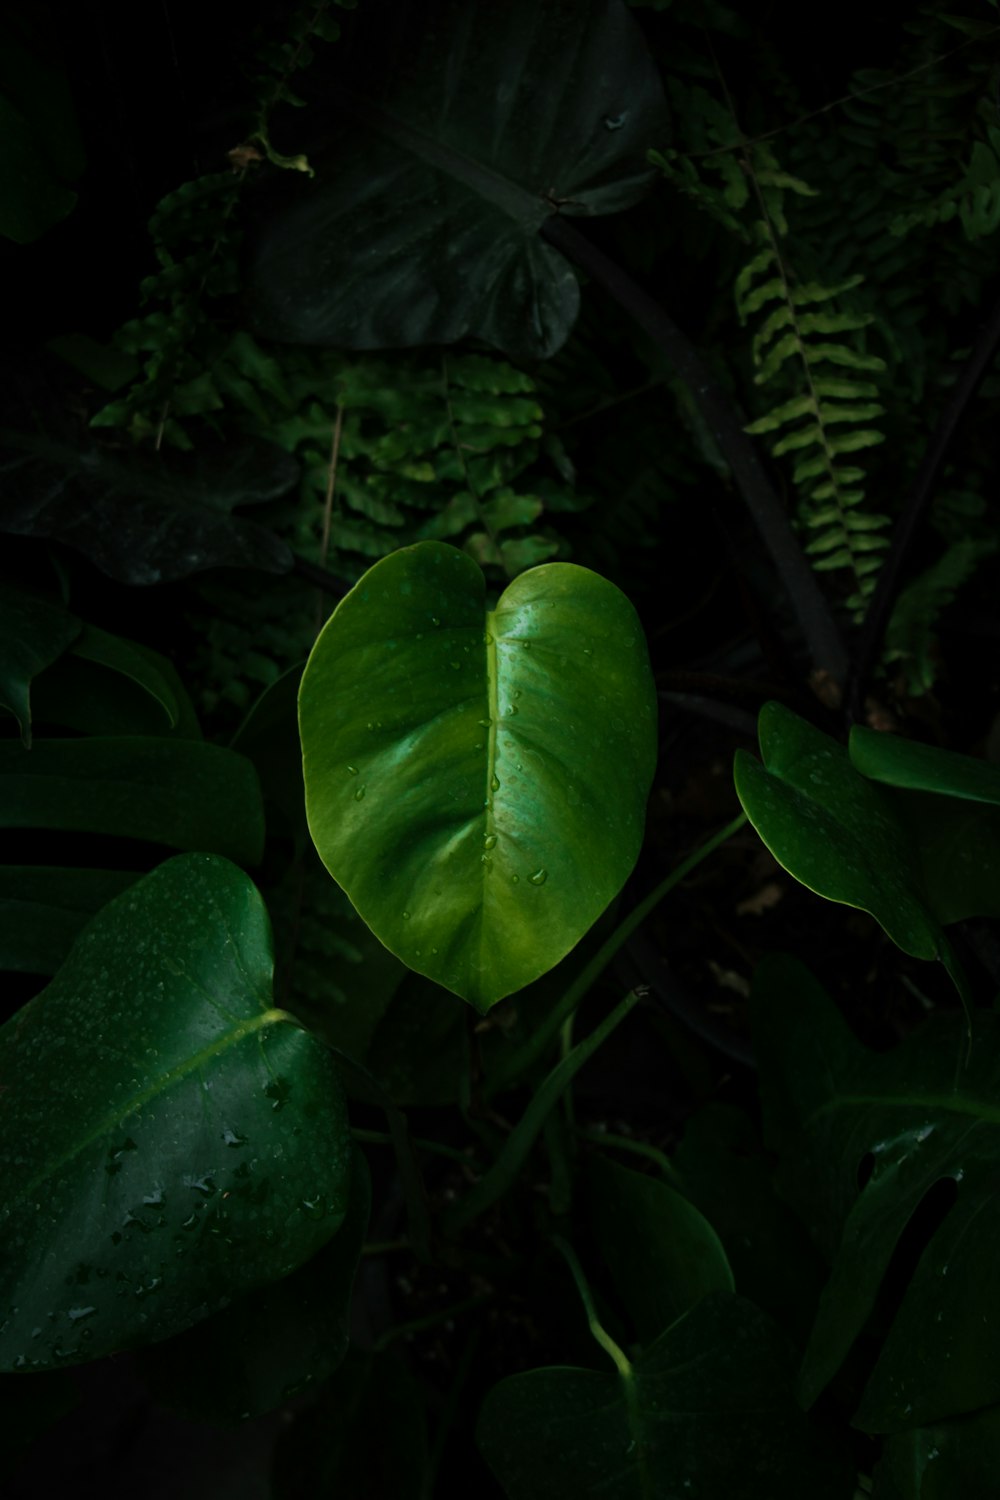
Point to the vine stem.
(525, 1057)
(814, 614)
(601, 1336)
(920, 494)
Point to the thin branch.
(824, 109)
(814, 614)
(331, 487)
(920, 494)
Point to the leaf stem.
(622, 1362)
(504, 1172)
(638, 1148)
(525, 1057)
(814, 614)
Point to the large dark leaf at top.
(452, 130)
(146, 518)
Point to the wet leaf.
(171, 1139)
(476, 779)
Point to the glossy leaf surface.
(421, 224)
(832, 829)
(171, 1140)
(476, 780)
(183, 793)
(662, 1254)
(923, 768)
(272, 1342)
(707, 1410)
(922, 1119)
(150, 518)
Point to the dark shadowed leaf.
(185, 794)
(273, 1342)
(707, 1410)
(663, 1256)
(476, 779)
(42, 909)
(726, 1173)
(957, 1460)
(147, 518)
(921, 1115)
(33, 634)
(454, 129)
(171, 1139)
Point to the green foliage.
(448, 786)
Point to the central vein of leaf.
(493, 714)
(114, 1121)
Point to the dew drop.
(526, 645)
(484, 859)
(511, 710)
(515, 880)
(435, 620)
(490, 841)
(359, 794)
(539, 877)
(454, 665)
(488, 639)
(406, 916)
(434, 950)
(517, 692)
(484, 723)
(353, 770)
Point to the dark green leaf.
(269, 737)
(421, 223)
(33, 633)
(147, 518)
(923, 768)
(183, 793)
(131, 661)
(42, 910)
(708, 1410)
(920, 1115)
(957, 1460)
(662, 1254)
(171, 1139)
(273, 1342)
(726, 1174)
(832, 829)
(458, 786)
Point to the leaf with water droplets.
(165, 1170)
(484, 924)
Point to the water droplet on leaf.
(539, 877)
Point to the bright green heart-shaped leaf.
(662, 1254)
(33, 633)
(434, 176)
(272, 1342)
(183, 793)
(833, 830)
(171, 1139)
(707, 1410)
(921, 1115)
(476, 779)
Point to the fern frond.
(910, 636)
